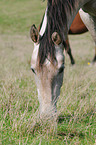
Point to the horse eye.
(33, 70)
(61, 69)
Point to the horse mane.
(57, 13)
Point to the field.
(76, 123)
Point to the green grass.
(16, 16)
(76, 123)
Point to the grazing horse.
(47, 61)
(77, 27)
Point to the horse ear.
(34, 34)
(56, 38)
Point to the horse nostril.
(33, 70)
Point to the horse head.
(49, 76)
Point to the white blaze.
(43, 28)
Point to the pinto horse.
(77, 27)
(47, 61)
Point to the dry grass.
(76, 105)
(19, 123)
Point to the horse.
(77, 27)
(47, 62)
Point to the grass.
(76, 122)
(16, 16)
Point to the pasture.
(76, 106)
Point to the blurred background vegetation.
(16, 16)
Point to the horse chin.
(48, 113)
(47, 109)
